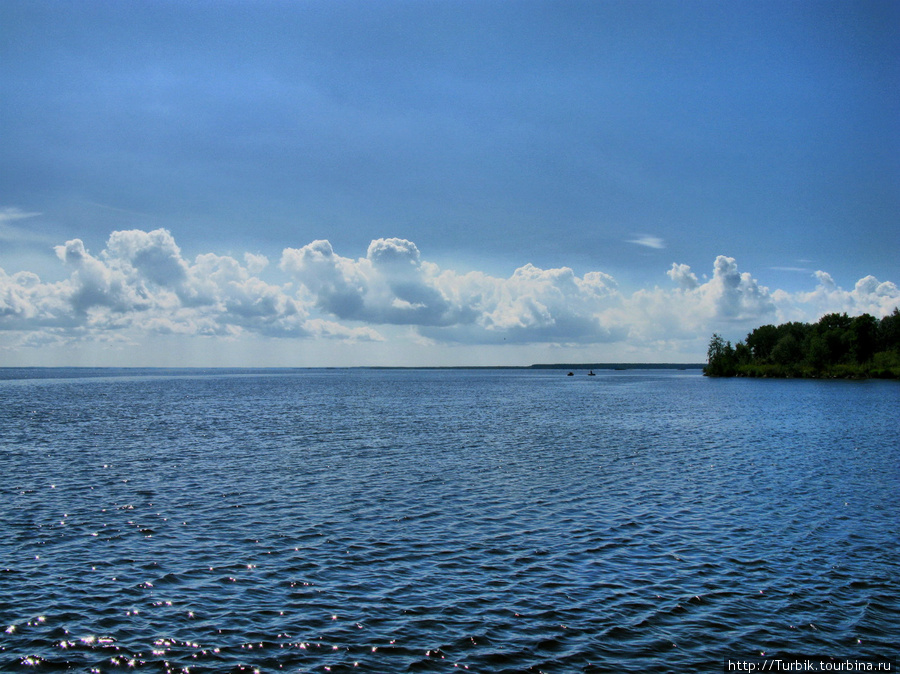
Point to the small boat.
(591, 374)
(571, 374)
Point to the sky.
(439, 182)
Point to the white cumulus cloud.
(869, 295)
(141, 284)
(390, 285)
(141, 281)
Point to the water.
(438, 520)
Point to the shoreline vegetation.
(836, 347)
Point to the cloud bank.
(141, 285)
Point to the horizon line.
(533, 366)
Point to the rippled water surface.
(435, 520)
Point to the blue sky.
(439, 182)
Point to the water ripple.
(495, 521)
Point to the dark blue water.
(435, 520)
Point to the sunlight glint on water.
(500, 520)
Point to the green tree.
(761, 342)
(834, 332)
(742, 354)
(720, 357)
(836, 345)
(889, 332)
(833, 322)
(787, 351)
(863, 338)
(816, 352)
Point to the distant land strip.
(86, 372)
(619, 366)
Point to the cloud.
(683, 276)
(798, 270)
(398, 254)
(93, 284)
(729, 299)
(869, 295)
(390, 285)
(541, 305)
(736, 295)
(649, 241)
(334, 282)
(141, 284)
(150, 256)
(10, 214)
(15, 234)
(28, 304)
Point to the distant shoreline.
(75, 371)
(619, 366)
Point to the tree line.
(836, 346)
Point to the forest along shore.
(837, 346)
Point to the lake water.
(438, 520)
